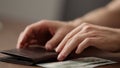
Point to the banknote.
(84, 62)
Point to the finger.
(67, 49)
(20, 42)
(84, 44)
(25, 44)
(71, 45)
(68, 36)
(29, 30)
(91, 41)
(26, 36)
(55, 40)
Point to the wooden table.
(10, 33)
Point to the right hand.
(45, 32)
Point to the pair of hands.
(65, 37)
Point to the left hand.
(86, 35)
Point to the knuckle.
(84, 24)
(76, 38)
(69, 40)
(88, 28)
(68, 36)
(94, 32)
(29, 27)
(88, 40)
(43, 21)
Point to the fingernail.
(61, 57)
(56, 49)
(48, 47)
(18, 47)
(77, 52)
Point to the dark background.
(76, 8)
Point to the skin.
(99, 28)
(45, 32)
(86, 35)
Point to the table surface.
(10, 33)
(88, 52)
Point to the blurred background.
(16, 14)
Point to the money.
(85, 62)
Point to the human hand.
(86, 35)
(45, 32)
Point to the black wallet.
(31, 56)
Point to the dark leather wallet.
(30, 56)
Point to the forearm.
(105, 16)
